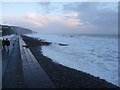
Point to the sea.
(96, 54)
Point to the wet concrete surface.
(12, 67)
(21, 69)
(6, 54)
(34, 75)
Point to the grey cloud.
(46, 6)
(105, 19)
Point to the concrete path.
(34, 75)
(0, 68)
(21, 69)
(12, 67)
(6, 55)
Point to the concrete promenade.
(21, 69)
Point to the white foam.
(96, 56)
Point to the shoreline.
(63, 76)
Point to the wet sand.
(61, 76)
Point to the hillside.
(14, 29)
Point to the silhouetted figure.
(3, 44)
(7, 43)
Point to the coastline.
(63, 76)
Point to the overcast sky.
(63, 17)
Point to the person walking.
(3, 44)
(7, 42)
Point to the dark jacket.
(7, 42)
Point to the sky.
(63, 17)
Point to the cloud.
(87, 17)
(68, 23)
(71, 15)
(44, 20)
(44, 4)
(36, 19)
(46, 7)
(18, 21)
(103, 17)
